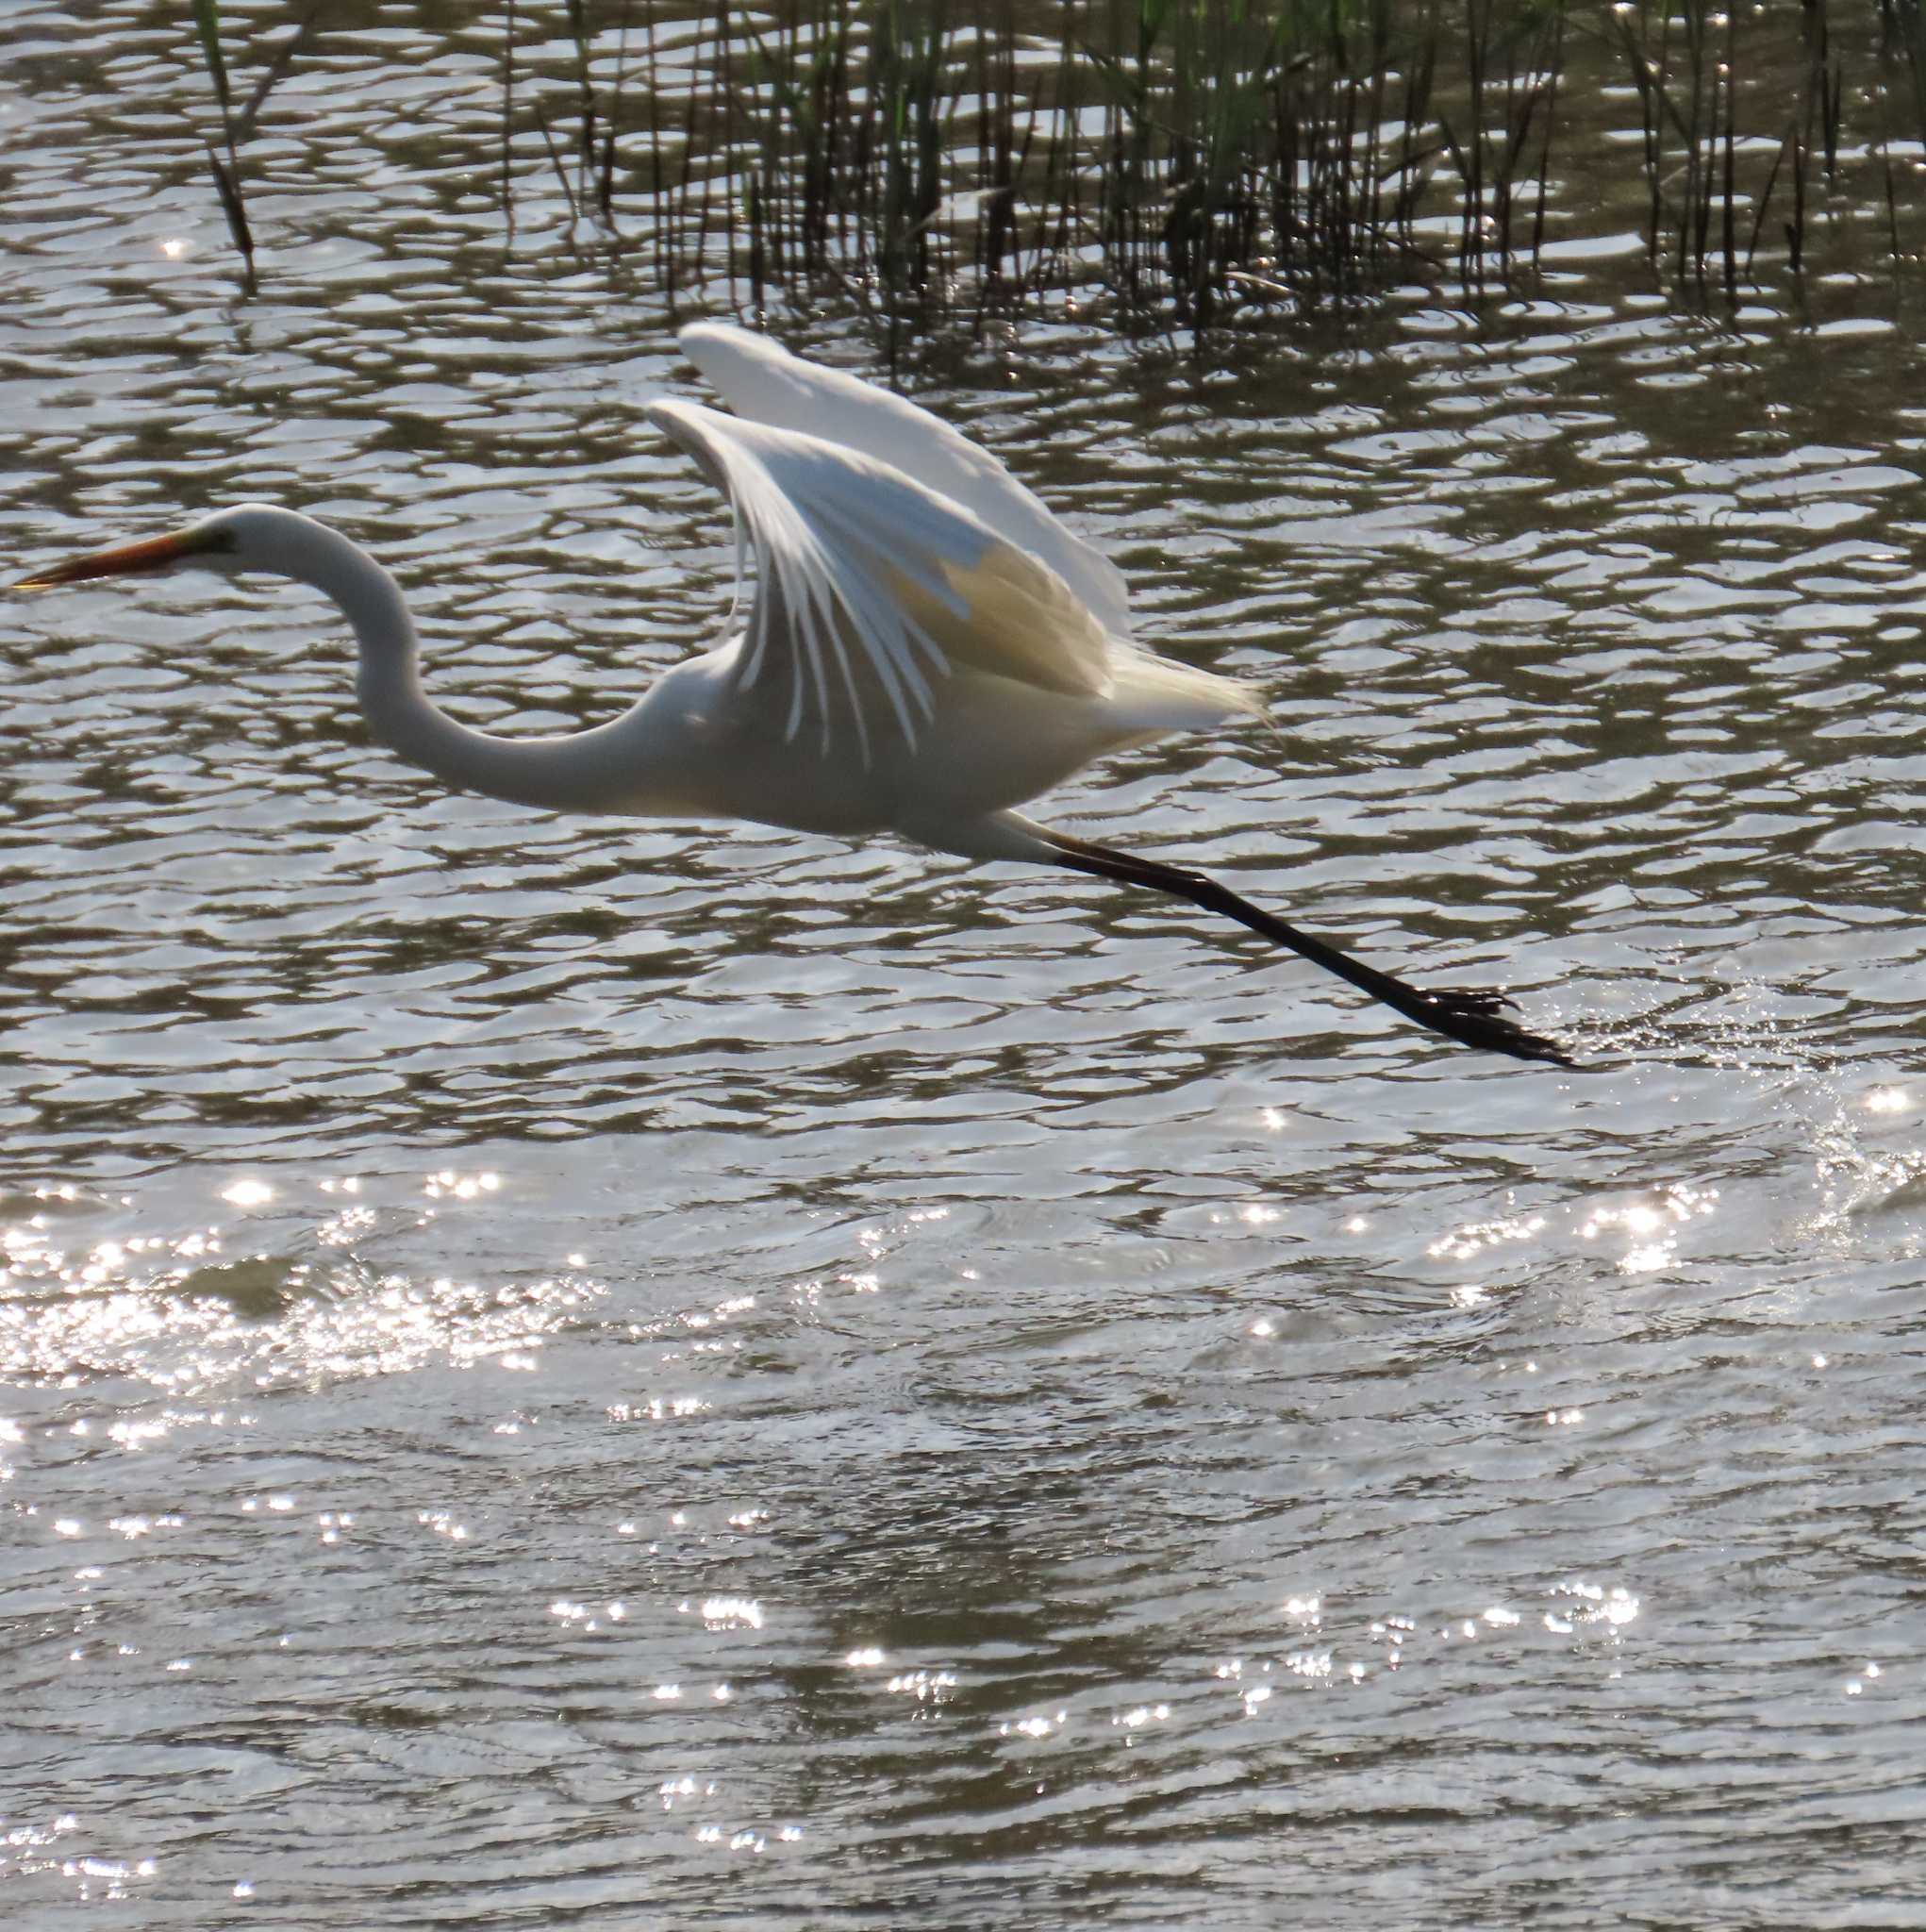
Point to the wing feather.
(762, 382)
(870, 585)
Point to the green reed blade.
(207, 24)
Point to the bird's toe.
(1477, 1019)
(1471, 1002)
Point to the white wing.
(762, 381)
(873, 588)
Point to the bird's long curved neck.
(562, 773)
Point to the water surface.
(560, 1372)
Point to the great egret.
(928, 648)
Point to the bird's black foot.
(1465, 999)
(1477, 1019)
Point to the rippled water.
(558, 1373)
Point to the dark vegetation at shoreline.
(1183, 162)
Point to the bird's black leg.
(1470, 1017)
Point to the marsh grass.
(1186, 162)
(226, 173)
(1689, 71)
(238, 123)
(1181, 162)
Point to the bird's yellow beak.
(127, 559)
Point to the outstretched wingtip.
(694, 334)
(729, 356)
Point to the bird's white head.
(243, 536)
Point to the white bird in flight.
(928, 649)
